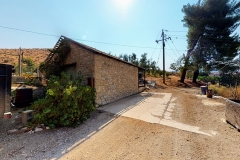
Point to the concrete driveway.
(153, 108)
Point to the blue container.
(204, 89)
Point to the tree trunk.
(195, 76)
(187, 59)
(184, 72)
(183, 75)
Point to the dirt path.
(127, 138)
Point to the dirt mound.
(11, 55)
(174, 81)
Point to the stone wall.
(83, 59)
(114, 79)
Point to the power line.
(158, 34)
(177, 31)
(171, 48)
(158, 56)
(170, 57)
(178, 36)
(154, 50)
(207, 38)
(106, 43)
(29, 31)
(208, 31)
(175, 47)
(157, 44)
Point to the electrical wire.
(175, 47)
(29, 31)
(207, 31)
(106, 43)
(156, 45)
(170, 56)
(172, 49)
(154, 51)
(177, 31)
(158, 57)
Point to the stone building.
(112, 77)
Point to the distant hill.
(10, 56)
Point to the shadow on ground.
(54, 143)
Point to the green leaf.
(50, 92)
(47, 110)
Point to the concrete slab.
(184, 127)
(152, 108)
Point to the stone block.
(27, 116)
(12, 131)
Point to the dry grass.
(174, 81)
(226, 92)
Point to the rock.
(47, 127)
(38, 129)
(20, 127)
(24, 129)
(31, 132)
(12, 131)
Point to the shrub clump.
(67, 102)
(211, 79)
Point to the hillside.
(11, 55)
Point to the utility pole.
(19, 62)
(163, 44)
(20, 59)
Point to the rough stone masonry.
(114, 78)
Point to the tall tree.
(124, 57)
(144, 62)
(211, 24)
(133, 59)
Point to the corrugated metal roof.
(92, 50)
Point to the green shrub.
(34, 82)
(211, 79)
(67, 102)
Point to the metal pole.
(163, 56)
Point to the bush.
(168, 74)
(67, 102)
(34, 82)
(211, 79)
